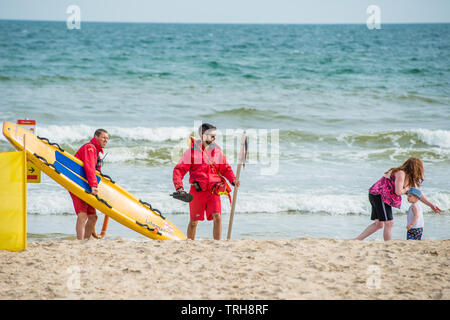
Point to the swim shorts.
(380, 210)
(81, 206)
(414, 234)
(204, 201)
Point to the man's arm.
(428, 203)
(181, 169)
(89, 157)
(226, 170)
(400, 183)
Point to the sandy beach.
(237, 269)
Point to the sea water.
(328, 109)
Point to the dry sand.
(237, 269)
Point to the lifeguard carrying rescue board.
(112, 200)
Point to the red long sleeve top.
(199, 168)
(89, 154)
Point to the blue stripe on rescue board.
(72, 165)
(72, 176)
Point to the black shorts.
(380, 210)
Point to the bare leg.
(90, 225)
(192, 228)
(377, 225)
(217, 228)
(387, 232)
(81, 223)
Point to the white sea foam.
(439, 138)
(72, 133)
(123, 154)
(75, 133)
(248, 203)
(47, 203)
(152, 134)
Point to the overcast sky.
(230, 11)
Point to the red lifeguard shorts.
(81, 206)
(204, 201)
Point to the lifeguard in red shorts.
(89, 154)
(207, 167)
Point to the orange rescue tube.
(104, 228)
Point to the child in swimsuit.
(415, 216)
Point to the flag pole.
(238, 173)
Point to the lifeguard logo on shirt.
(90, 149)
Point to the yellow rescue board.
(112, 200)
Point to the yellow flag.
(13, 204)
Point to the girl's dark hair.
(205, 127)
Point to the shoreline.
(289, 269)
(267, 226)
